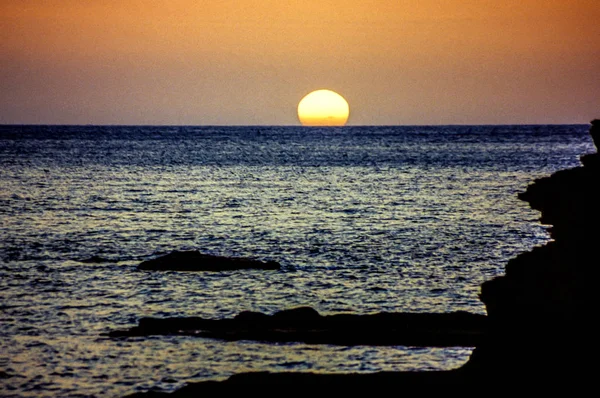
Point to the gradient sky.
(249, 62)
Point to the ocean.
(362, 220)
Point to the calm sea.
(362, 219)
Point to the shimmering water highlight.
(363, 219)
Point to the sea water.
(362, 220)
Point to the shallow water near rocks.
(362, 219)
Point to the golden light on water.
(323, 108)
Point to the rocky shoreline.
(194, 261)
(539, 330)
(542, 311)
(304, 324)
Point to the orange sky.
(249, 62)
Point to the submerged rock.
(196, 261)
(304, 324)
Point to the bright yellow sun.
(323, 108)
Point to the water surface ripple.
(362, 219)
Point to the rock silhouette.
(543, 309)
(196, 261)
(304, 324)
(540, 329)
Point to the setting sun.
(323, 108)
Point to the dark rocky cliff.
(543, 311)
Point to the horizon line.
(288, 125)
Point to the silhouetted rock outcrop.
(196, 261)
(541, 325)
(304, 324)
(543, 309)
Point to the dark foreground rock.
(196, 261)
(541, 326)
(306, 325)
(542, 312)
